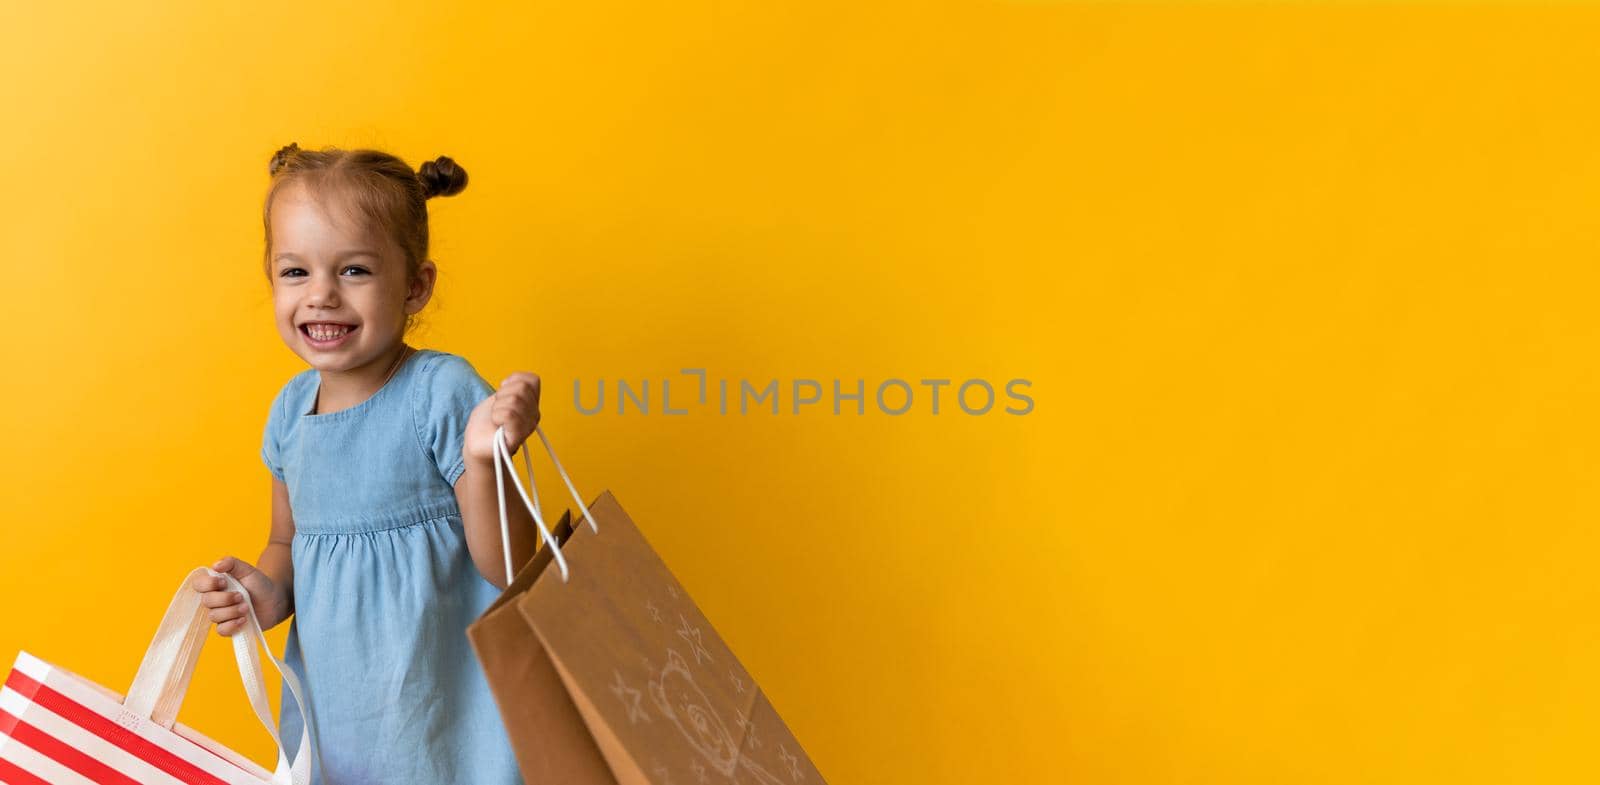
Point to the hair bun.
(282, 157)
(441, 177)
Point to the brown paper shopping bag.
(606, 672)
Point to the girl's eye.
(295, 272)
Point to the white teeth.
(322, 333)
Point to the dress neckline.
(351, 411)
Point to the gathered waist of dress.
(379, 520)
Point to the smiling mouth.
(321, 333)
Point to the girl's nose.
(324, 291)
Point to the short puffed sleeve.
(450, 389)
(272, 434)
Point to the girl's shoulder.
(432, 361)
(292, 397)
(444, 381)
(444, 392)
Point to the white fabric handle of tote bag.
(502, 452)
(169, 663)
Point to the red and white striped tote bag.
(59, 728)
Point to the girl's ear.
(421, 289)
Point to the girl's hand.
(227, 607)
(515, 406)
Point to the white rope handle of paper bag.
(244, 651)
(502, 452)
(564, 478)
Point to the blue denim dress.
(384, 586)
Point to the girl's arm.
(480, 516)
(275, 560)
(515, 407)
(270, 581)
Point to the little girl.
(385, 540)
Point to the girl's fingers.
(238, 569)
(523, 380)
(514, 422)
(221, 599)
(219, 615)
(515, 400)
(519, 424)
(516, 405)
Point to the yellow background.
(1305, 293)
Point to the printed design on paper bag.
(749, 727)
(680, 700)
(791, 761)
(692, 636)
(129, 720)
(630, 699)
(762, 776)
(683, 703)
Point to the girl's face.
(339, 289)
